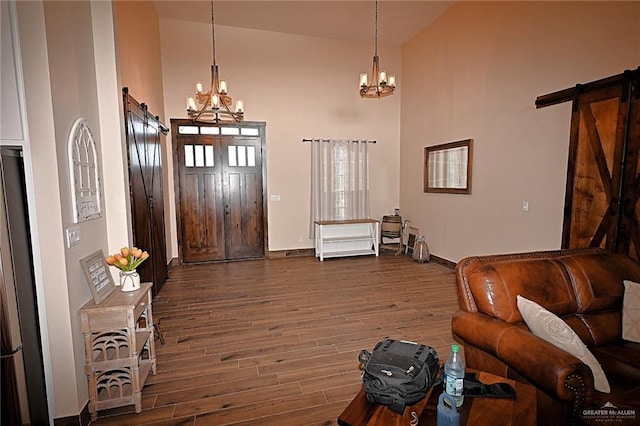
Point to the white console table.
(335, 238)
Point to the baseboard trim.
(444, 262)
(81, 419)
(276, 254)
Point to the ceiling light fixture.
(380, 86)
(216, 104)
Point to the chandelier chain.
(376, 31)
(213, 36)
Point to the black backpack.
(399, 373)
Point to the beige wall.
(138, 52)
(74, 94)
(475, 73)
(61, 84)
(139, 68)
(302, 87)
(42, 153)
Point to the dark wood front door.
(220, 191)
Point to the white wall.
(61, 84)
(74, 94)
(475, 73)
(302, 87)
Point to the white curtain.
(339, 180)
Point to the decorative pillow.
(631, 312)
(549, 327)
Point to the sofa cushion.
(621, 363)
(549, 327)
(598, 277)
(495, 285)
(631, 312)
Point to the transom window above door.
(227, 131)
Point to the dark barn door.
(144, 136)
(220, 191)
(602, 199)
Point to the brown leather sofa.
(585, 288)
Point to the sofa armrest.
(549, 368)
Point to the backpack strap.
(364, 356)
(397, 407)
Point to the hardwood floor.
(275, 342)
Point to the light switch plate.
(73, 236)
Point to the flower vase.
(129, 280)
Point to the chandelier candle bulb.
(363, 79)
(223, 86)
(198, 87)
(191, 104)
(383, 77)
(392, 80)
(215, 101)
(239, 106)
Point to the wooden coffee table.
(520, 411)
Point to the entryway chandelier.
(379, 86)
(215, 105)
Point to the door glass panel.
(188, 156)
(251, 156)
(233, 162)
(242, 156)
(208, 156)
(199, 155)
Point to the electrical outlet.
(73, 236)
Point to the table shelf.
(119, 348)
(338, 238)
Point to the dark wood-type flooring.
(275, 342)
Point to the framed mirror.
(447, 167)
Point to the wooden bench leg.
(157, 334)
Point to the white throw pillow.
(631, 312)
(549, 327)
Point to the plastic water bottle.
(454, 375)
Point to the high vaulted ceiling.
(398, 20)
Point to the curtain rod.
(339, 140)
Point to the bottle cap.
(455, 348)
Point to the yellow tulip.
(111, 260)
(124, 251)
(123, 261)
